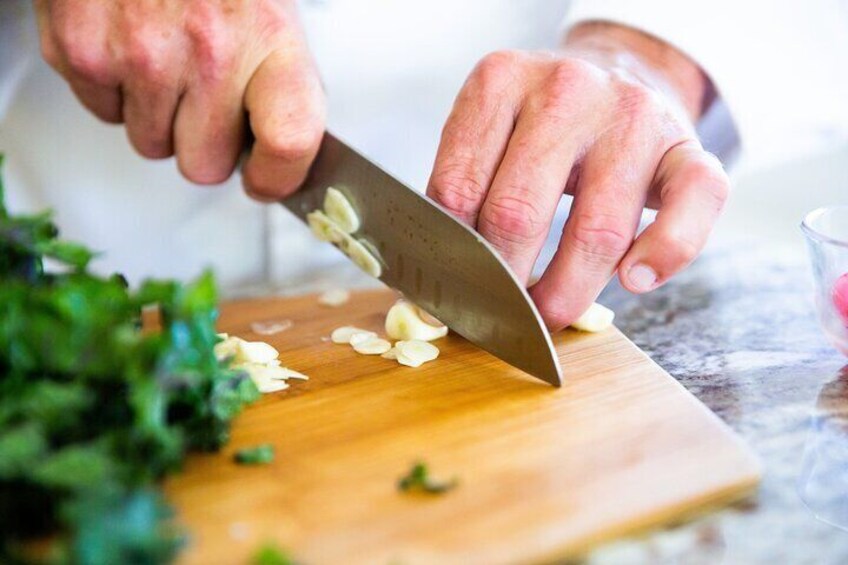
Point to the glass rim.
(810, 231)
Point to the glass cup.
(826, 230)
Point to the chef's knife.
(436, 261)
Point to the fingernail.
(642, 277)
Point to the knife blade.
(436, 261)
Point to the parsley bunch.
(94, 412)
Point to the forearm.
(648, 58)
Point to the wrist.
(649, 58)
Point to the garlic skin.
(339, 209)
(405, 322)
(596, 318)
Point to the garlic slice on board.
(324, 228)
(334, 297)
(414, 353)
(405, 322)
(339, 209)
(344, 333)
(596, 319)
(372, 346)
(255, 352)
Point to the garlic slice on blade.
(361, 255)
(344, 333)
(339, 209)
(596, 319)
(324, 228)
(372, 346)
(405, 322)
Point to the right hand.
(187, 78)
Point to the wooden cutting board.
(544, 472)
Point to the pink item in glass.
(840, 297)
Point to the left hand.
(609, 119)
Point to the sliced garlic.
(415, 353)
(268, 386)
(271, 327)
(390, 354)
(372, 346)
(405, 321)
(339, 209)
(344, 333)
(361, 337)
(361, 255)
(227, 349)
(255, 352)
(334, 297)
(596, 319)
(324, 228)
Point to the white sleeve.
(780, 66)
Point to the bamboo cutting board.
(544, 473)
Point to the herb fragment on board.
(258, 455)
(418, 479)
(270, 554)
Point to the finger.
(83, 65)
(519, 208)
(692, 188)
(611, 192)
(286, 107)
(208, 131)
(475, 137)
(152, 87)
(105, 102)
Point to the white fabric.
(781, 66)
(392, 69)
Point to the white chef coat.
(392, 69)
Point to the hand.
(609, 118)
(186, 77)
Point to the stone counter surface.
(739, 330)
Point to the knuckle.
(212, 43)
(564, 77)
(457, 189)
(143, 55)
(635, 101)
(494, 72)
(85, 59)
(295, 141)
(49, 52)
(598, 235)
(512, 219)
(679, 248)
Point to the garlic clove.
(404, 321)
(596, 319)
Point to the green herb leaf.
(418, 479)
(270, 554)
(258, 455)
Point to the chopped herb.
(418, 479)
(258, 455)
(270, 554)
(93, 411)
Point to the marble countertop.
(738, 330)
